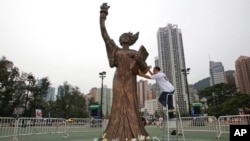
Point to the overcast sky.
(61, 39)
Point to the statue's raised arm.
(103, 15)
(110, 44)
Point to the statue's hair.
(132, 37)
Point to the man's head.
(156, 69)
(128, 38)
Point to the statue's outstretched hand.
(149, 67)
(104, 10)
(140, 72)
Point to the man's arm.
(144, 75)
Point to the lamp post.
(30, 78)
(186, 72)
(102, 75)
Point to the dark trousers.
(164, 97)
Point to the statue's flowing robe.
(124, 121)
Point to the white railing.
(224, 122)
(12, 128)
(200, 124)
(7, 127)
(28, 126)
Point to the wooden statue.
(125, 121)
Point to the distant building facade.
(217, 74)
(194, 97)
(106, 99)
(93, 94)
(50, 95)
(142, 92)
(59, 91)
(152, 106)
(230, 77)
(172, 61)
(242, 65)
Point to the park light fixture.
(101, 75)
(186, 72)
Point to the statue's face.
(124, 39)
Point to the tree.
(240, 100)
(38, 92)
(8, 77)
(218, 93)
(230, 106)
(19, 90)
(29, 84)
(223, 99)
(71, 102)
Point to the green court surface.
(89, 136)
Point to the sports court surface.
(89, 136)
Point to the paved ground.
(89, 136)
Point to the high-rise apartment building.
(152, 106)
(242, 65)
(157, 61)
(142, 92)
(106, 100)
(217, 74)
(59, 91)
(230, 77)
(172, 61)
(93, 93)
